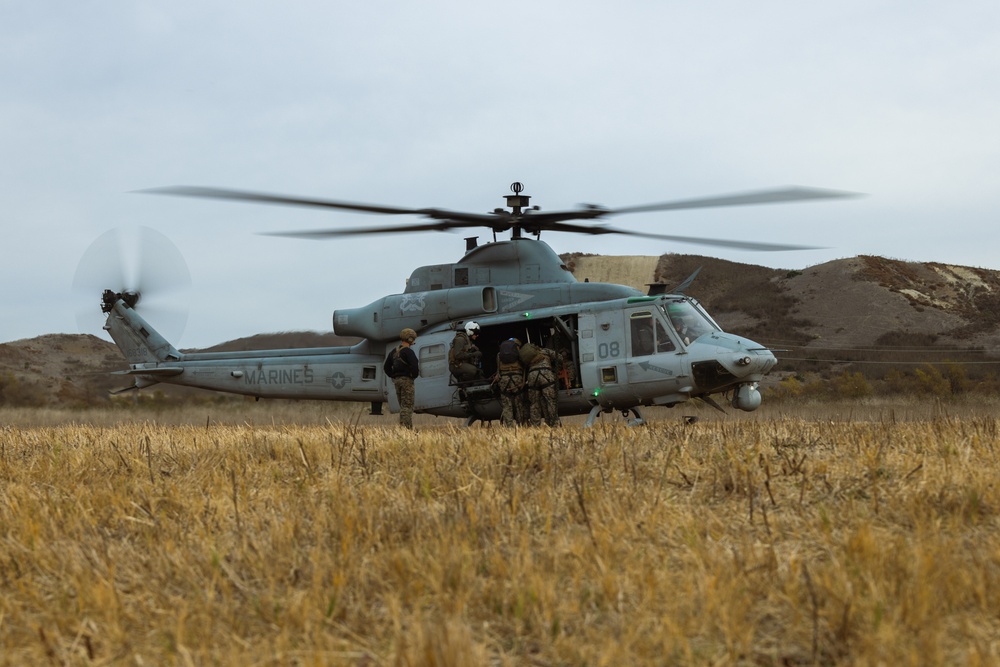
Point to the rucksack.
(508, 352)
(399, 365)
(527, 353)
(451, 350)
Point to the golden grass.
(783, 541)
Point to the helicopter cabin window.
(461, 277)
(643, 342)
(433, 360)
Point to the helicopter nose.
(742, 359)
(754, 362)
(724, 360)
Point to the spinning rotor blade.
(138, 260)
(720, 243)
(442, 226)
(530, 221)
(743, 199)
(473, 219)
(529, 224)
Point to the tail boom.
(324, 373)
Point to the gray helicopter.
(621, 349)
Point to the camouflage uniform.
(541, 383)
(404, 392)
(463, 358)
(510, 381)
(402, 366)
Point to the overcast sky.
(444, 104)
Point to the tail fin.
(138, 341)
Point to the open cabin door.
(431, 388)
(559, 334)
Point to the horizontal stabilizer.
(140, 383)
(160, 371)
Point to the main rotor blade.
(530, 221)
(719, 243)
(288, 200)
(267, 198)
(790, 194)
(442, 226)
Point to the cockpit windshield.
(687, 320)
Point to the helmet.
(471, 329)
(408, 335)
(516, 342)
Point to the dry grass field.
(776, 540)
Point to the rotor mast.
(517, 202)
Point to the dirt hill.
(868, 311)
(635, 271)
(858, 302)
(58, 369)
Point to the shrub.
(931, 381)
(851, 385)
(16, 393)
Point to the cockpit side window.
(663, 342)
(687, 321)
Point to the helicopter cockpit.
(688, 320)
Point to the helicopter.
(620, 349)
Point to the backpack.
(452, 362)
(508, 352)
(399, 365)
(527, 353)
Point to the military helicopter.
(621, 349)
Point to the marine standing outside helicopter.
(402, 366)
(541, 383)
(510, 382)
(464, 358)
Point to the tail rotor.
(140, 265)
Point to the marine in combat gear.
(402, 366)
(541, 383)
(465, 360)
(510, 382)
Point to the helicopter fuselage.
(618, 349)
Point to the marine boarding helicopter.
(621, 349)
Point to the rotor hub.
(110, 297)
(517, 201)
